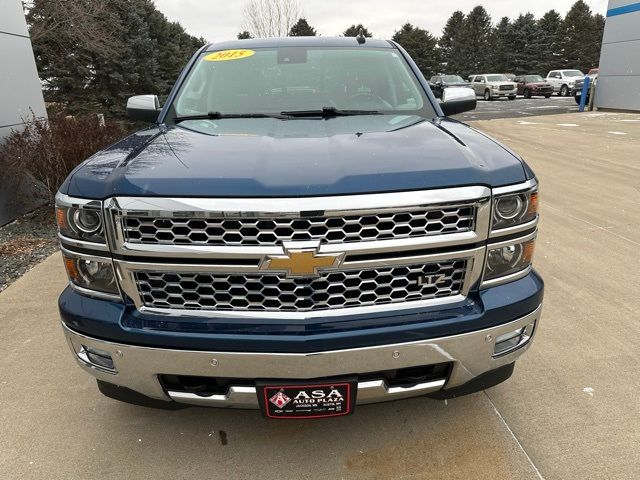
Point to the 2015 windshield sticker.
(224, 55)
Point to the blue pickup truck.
(301, 230)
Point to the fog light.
(96, 357)
(510, 341)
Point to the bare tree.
(67, 24)
(271, 18)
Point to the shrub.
(49, 149)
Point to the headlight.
(80, 219)
(514, 209)
(91, 273)
(508, 259)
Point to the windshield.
(497, 78)
(533, 78)
(452, 79)
(290, 79)
(573, 73)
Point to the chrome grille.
(275, 293)
(507, 87)
(243, 231)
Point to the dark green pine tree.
(549, 44)
(579, 32)
(354, 30)
(596, 40)
(476, 40)
(244, 35)
(421, 45)
(302, 29)
(452, 56)
(525, 31)
(502, 39)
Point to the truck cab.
(301, 229)
(564, 81)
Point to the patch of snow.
(567, 124)
(524, 122)
(617, 133)
(589, 391)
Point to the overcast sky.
(217, 20)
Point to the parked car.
(533, 86)
(300, 231)
(494, 85)
(564, 81)
(438, 83)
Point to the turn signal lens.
(61, 219)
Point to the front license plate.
(312, 400)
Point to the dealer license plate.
(307, 400)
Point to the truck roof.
(299, 42)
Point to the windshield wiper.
(327, 112)
(218, 115)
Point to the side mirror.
(143, 107)
(458, 100)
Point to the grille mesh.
(274, 292)
(242, 231)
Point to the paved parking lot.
(570, 411)
(520, 107)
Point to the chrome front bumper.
(471, 354)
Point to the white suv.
(494, 85)
(564, 81)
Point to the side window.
(483, 80)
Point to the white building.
(619, 78)
(20, 88)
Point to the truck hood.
(301, 157)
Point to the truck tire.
(564, 91)
(527, 93)
(512, 97)
(548, 95)
(487, 95)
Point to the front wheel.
(487, 95)
(547, 95)
(512, 97)
(527, 93)
(564, 91)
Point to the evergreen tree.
(549, 43)
(354, 31)
(452, 56)
(244, 35)
(476, 45)
(596, 40)
(525, 32)
(581, 37)
(421, 45)
(502, 39)
(149, 55)
(302, 29)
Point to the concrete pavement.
(571, 409)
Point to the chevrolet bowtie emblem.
(301, 262)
